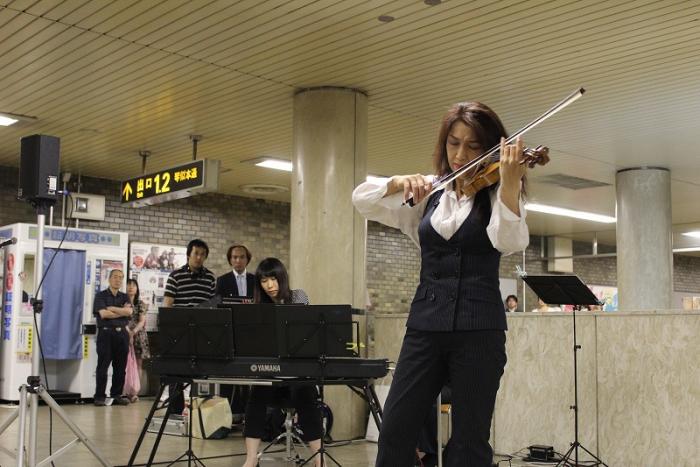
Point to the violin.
(538, 155)
(489, 174)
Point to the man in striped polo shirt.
(192, 284)
(189, 286)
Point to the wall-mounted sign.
(185, 180)
(77, 236)
(151, 264)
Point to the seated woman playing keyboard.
(272, 286)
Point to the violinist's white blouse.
(507, 231)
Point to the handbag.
(211, 417)
(132, 382)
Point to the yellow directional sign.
(127, 191)
(177, 182)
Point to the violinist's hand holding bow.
(511, 173)
(416, 186)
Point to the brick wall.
(393, 267)
(686, 274)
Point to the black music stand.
(189, 454)
(191, 457)
(299, 331)
(311, 331)
(190, 335)
(567, 290)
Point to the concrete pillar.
(644, 238)
(328, 237)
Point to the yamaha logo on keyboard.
(265, 368)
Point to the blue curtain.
(62, 293)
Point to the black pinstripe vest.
(459, 287)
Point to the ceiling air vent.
(567, 181)
(263, 189)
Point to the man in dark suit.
(238, 283)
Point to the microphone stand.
(33, 389)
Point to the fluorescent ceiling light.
(7, 121)
(686, 250)
(695, 234)
(589, 216)
(277, 164)
(377, 178)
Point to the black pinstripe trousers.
(474, 362)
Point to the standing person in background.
(112, 311)
(238, 283)
(512, 304)
(542, 307)
(234, 285)
(137, 329)
(457, 322)
(189, 286)
(193, 283)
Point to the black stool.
(291, 439)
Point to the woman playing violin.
(456, 325)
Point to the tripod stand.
(567, 290)
(322, 450)
(179, 387)
(297, 335)
(576, 445)
(191, 457)
(33, 389)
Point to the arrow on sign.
(127, 191)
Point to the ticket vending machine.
(80, 269)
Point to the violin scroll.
(535, 156)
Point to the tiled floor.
(115, 431)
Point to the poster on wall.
(150, 265)
(607, 295)
(6, 299)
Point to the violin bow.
(445, 180)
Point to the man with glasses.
(112, 311)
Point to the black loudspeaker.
(38, 168)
